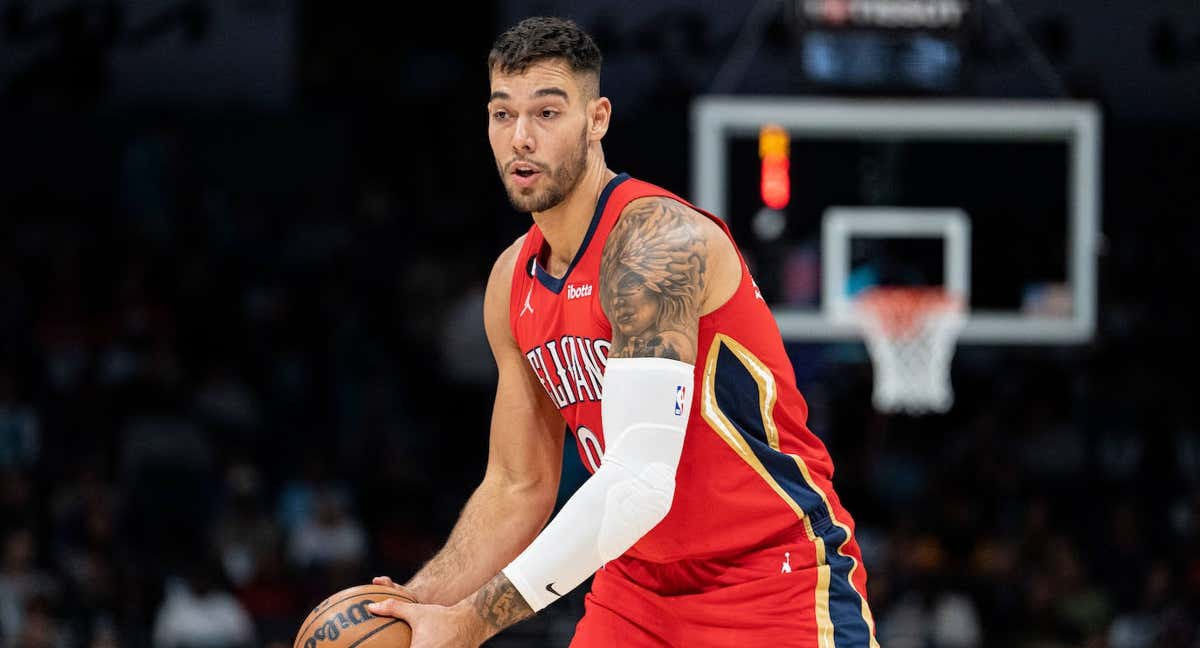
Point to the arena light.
(776, 184)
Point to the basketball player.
(627, 314)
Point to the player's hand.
(436, 626)
(388, 582)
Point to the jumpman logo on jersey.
(528, 306)
(787, 563)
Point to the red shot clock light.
(776, 184)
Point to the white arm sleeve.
(644, 410)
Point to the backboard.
(998, 201)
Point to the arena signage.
(885, 14)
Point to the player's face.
(538, 128)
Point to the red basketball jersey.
(751, 472)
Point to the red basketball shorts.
(806, 593)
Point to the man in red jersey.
(628, 314)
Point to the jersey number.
(590, 443)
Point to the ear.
(599, 111)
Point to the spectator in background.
(1082, 609)
(20, 432)
(167, 466)
(21, 582)
(926, 612)
(245, 534)
(141, 330)
(1136, 628)
(40, 628)
(105, 636)
(274, 600)
(227, 404)
(62, 333)
(298, 494)
(198, 611)
(84, 547)
(18, 503)
(330, 537)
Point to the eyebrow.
(546, 92)
(541, 92)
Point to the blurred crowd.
(242, 364)
(1038, 513)
(215, 411)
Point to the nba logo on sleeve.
(680, 395)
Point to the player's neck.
(565, 225)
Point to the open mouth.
(524, 174)
(524, 169)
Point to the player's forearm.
(645, 418)
(498, 521)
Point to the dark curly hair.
(545, 37)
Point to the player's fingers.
(388, 582)
(393, 608)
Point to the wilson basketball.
(343, 621)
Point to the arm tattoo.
(651, 280)
(500, 605)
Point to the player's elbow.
(634, 505)
(532, 494)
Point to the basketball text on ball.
(343, 620)
(331, 629)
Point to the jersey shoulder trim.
(556, 284)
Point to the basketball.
(343, 621)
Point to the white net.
(910, 334)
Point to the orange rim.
(900, 311)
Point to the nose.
(522, 141)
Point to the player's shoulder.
(499, 289)
(670, 207)
(502, 269)
(656, 201)
(666, 215)
(661, 233)
(500, 281)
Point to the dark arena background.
(243, 246)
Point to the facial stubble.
(562, 181)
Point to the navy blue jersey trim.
(738, 398)
(555, 284)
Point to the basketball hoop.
(910, 335)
